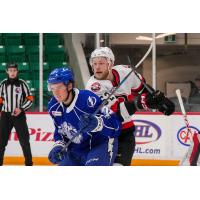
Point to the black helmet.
(11, 65)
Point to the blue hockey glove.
(90, 123)
(56, 154)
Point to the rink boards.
(160, 140)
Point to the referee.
(15, 99)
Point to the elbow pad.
(125, 109)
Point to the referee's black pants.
(7, 122)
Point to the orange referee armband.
(30, 98)
(1, 100)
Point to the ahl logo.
(18, 90)
(183, 136)
(91, 101)
(146, 131)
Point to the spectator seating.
(194, 100)
(16, 53)
(31, 39)
(53, 39)
(195, 107)
(177, 106)
(2, 67)
(12, 39)
(2, 54)
(23, 48)
(1, 39)
(185, 88)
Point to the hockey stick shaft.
(142, 81)
(180, 100)
(149, 89)
(113, 91)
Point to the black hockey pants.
(126, 146)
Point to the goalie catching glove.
(90, 123)
(156, 100)
(57, 154)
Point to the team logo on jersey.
(95, 87)
(91, 101)
(18, 90)
(183, 135)
(69, 131)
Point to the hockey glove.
(57, 154)
(147, 100)
(90, 123)
(167, 107)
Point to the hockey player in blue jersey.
(73, 110)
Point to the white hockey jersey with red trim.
(126, 91)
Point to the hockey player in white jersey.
(93, 137)
(130, 96)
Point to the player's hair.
(11, 65)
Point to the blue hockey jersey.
(66, 120)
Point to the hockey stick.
(178, 93)
(135, 72)
(113, 91)
(149, 89)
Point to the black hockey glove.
(147, 100)
(167, 107)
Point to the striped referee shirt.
(14, 94)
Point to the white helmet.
(103, 52)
